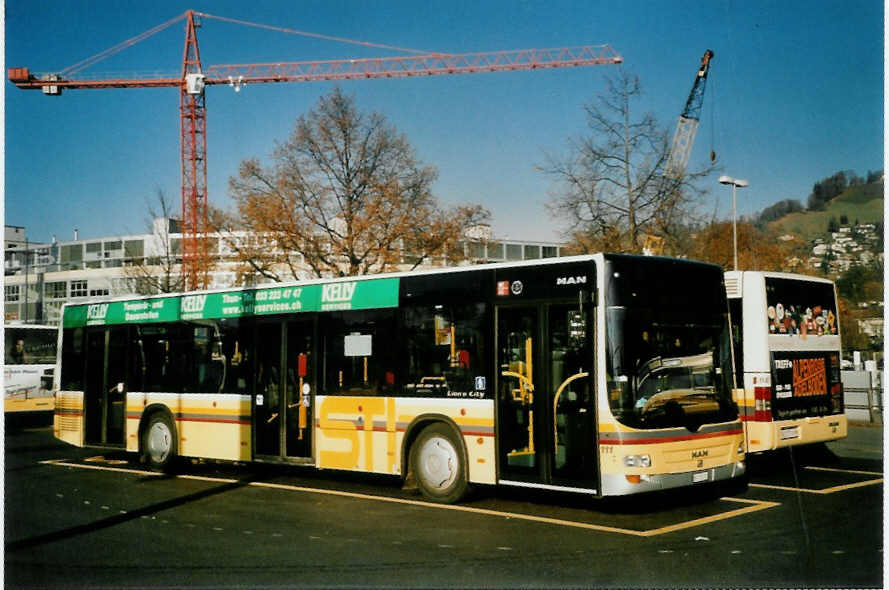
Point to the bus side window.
(737, 319)
(239, 354)
(15, 354)
(72, 359)
(180, 360)
(30, 347)
(152, 359)
(41, 346)
(137, 367)
(443, 348)
(359, 352)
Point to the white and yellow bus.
(29, 361)
(582, 374)
(788, 350)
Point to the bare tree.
(611, 188)
(159, 270)
(345, 195)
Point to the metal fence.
(864, 395)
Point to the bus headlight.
(637, 460)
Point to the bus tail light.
(762, 397)
(837, 398)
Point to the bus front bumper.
(621, 484)
(768, 436)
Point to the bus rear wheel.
(437, 462)
(159, 442)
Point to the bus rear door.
(285, 387)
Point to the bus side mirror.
(302, 363)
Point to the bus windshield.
(30, 346)
(669, 361)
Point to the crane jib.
(193, 79)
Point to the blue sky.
(795, 94)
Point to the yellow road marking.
(835, 470)
(754, 505)
(830, 490)
(102, 459)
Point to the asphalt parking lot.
(78, 517)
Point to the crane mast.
(192, 108)
(193, 130)
(687, 125)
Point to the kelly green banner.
(345, 295)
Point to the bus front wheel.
(437, 462)
(159, 442)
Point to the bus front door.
(546, 426)
(284, 387)
(104, 389)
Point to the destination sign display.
(345, 295)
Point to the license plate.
(699, 477)
(789, 432)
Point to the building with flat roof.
(40, 278)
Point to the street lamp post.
(736, 184)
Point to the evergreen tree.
(833, 225)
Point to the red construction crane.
(194, 79)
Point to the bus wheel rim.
(160, 441)
(438, 463)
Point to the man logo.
(699, 454)
(516, 287)
(579, 280)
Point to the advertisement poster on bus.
(806, 383)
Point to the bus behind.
(788, 350)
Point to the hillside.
(863, 203)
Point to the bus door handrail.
(559, 391)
